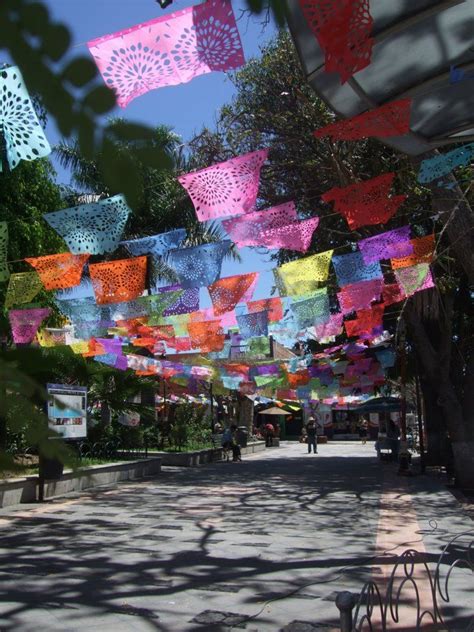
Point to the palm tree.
(164, 204)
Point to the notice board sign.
(67, 410)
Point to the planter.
(201, 457)
(24, 490)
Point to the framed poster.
(67, 410)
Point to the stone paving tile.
(266, 545)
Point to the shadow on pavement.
(264, 528)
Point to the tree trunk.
(458, 215)
(246, 413)
(105, 414)
(463, 452)
(434, 424)
(433, 344)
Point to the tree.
(25, 195)
(274, 107)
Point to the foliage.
(277, 8)
(25, 194)
(274, 107)
(22, 402)
(71, 91)
(161, 204)
(190, 428)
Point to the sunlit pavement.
(260, 545)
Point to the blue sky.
(187, 107)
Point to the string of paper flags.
(113, 298)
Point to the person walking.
(312, 435)
(363, 430)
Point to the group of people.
(230, 442)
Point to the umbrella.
(380, 405)
(274, 410)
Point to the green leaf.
(100, 100)
(34, 17)
(120, 173)
(125, 131)
(80, 71)
(153, 157)
(86, 136)
(56, 40)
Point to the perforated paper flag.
(296, 236)
(259, 346)
(275, 228)
(392, 293)
(4, 271)
(199, 265)
(273, 306)
(226, 293)
(54, 337)
(152, 306)
(415, 278)
(253, 325)
(366, 203)
(185, 303)
(169, 50)
(118, 361)
(83, 290)
(59, 271)
(244, 229)
(367, 324)
(156, 245)
(226, 188)
(24, 136)
(423, 250)
(22, 288)
(311, 310)
(351, 268)
(329, 329)
(359, 295)
(94, 228)
(440, 166)
(392, 119)
(303, 275)
(121, 280)
(207, 336)
(25, 323)
(83, 309)
(393, 243)
(343, 29)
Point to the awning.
(380, 405)
(416, 43)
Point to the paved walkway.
(262, 545)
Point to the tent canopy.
(380, 405)
(274, 410)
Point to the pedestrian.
(236, 452)
(363, 430)
(226, 441)
(269, 434)
(393, 436)
(311, 432)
